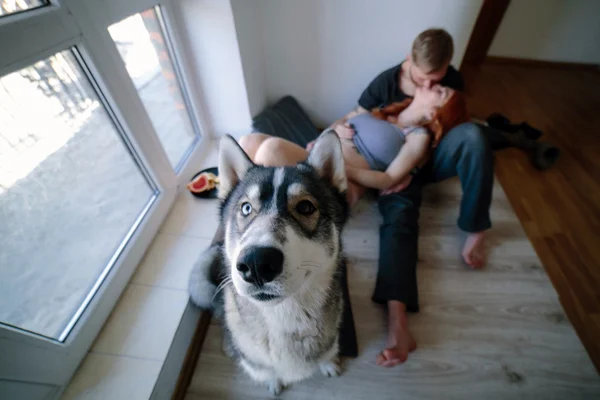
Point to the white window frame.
(37, 34)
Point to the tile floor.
(127, 356)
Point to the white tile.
(169, 260)
(111, 377)
(143, 323)
(192, 216)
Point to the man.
(463, 152)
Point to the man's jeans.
(465, 152)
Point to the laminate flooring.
(495, 333)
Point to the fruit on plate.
(203, 182)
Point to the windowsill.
(126, 359)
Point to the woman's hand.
(400, 186)
(344, 131)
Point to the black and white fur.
(280, 261)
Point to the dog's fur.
(280, 331)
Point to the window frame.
(83, 24)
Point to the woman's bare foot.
(473, 251)
(400, 341)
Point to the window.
(87, 172)
(15, 6)
(70, 194)
(144, 49)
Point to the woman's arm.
(410, 155)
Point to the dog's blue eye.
(246, 209)
(305, 207)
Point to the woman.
(379, 149)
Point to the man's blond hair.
(432, 50)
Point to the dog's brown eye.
(246, 209)
(305, 207)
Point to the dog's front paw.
(331, 368)
(275, 387)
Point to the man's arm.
(411, 154)
(370, 98)
(411, 116)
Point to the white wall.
(551, 30)
(210, 37)
(325, 52)
(248, 24)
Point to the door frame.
(486, 26)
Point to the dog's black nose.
(259, 265)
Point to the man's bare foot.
(473, 251)
(400, 341)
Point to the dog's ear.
(327, 158)
(233, 165)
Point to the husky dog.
(281, 257)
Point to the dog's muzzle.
(259, 265)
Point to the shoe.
(529, 131)
(500, 122)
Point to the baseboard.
(177, 371)
(178, 358)
(185, 350)
(541, 63)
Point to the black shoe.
(499, 121)
(529, 131)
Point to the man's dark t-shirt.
(385, 89)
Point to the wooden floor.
(495, 333)
(559, 208)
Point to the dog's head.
(283, 224)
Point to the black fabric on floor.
(348, 343)
(287, 120)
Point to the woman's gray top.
(379, 142)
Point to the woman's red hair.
(451, 114)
